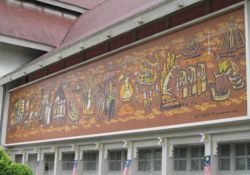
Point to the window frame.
(85, 161)
(224, 157)
(119, 161)
(152, 159)
(245, 156)
(49, 162)
(68, 162)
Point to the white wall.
(11, 57)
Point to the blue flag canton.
(207, 161)
(75, 163)
(127, 163)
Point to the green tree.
(5, 161)
(9, 168)
(18, 169)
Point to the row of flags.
(207, 167)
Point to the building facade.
(153, 88)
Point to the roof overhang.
(146, 16)
(64, 5)
(25, 43)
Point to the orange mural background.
(195, 74)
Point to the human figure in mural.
(26, 122)
(184, 86)
(110, 92)
(100, 102)
(73, 113)
(60, 106)
(147, 77)
(221, 88)
(88, 99)
(168, 83)
(110, 104)
(192, 81)
(202, 81)
(136, 86)
(17, 112)
(126, 90)
(45, 108)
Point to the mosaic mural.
(196, 74)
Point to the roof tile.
(33, 24)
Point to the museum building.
(132, 87)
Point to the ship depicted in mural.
(196, 74)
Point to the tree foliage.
(9, 168)
(5, 161)
(18, 169)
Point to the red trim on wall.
(220, 4)
(122, 40)
(36, 75)
(96, 50)
(73, 60)
(152, 28)
(55, 67)
(188, 14)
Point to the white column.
(102, 161)
(210, 151)
(40, 159)
(4, 106)
(131, 155)
(24, 157)
(165, 166)
(78, 159)
(56, 162)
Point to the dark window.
(197, 157)
(224, 157)
(49, 162)
(90, 161)
(180, 159)
(117, 160)
(67, 161)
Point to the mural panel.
(196, 74)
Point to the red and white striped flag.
(126, 167)
(37, 168)
(207, 165)
(74, 167)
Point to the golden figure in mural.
(221, 89)
(235, 76)
(192, 79)
(73, 112)
(126, 91)
(166, 76)
(183, 83)
(168, 101)
(201, 78)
